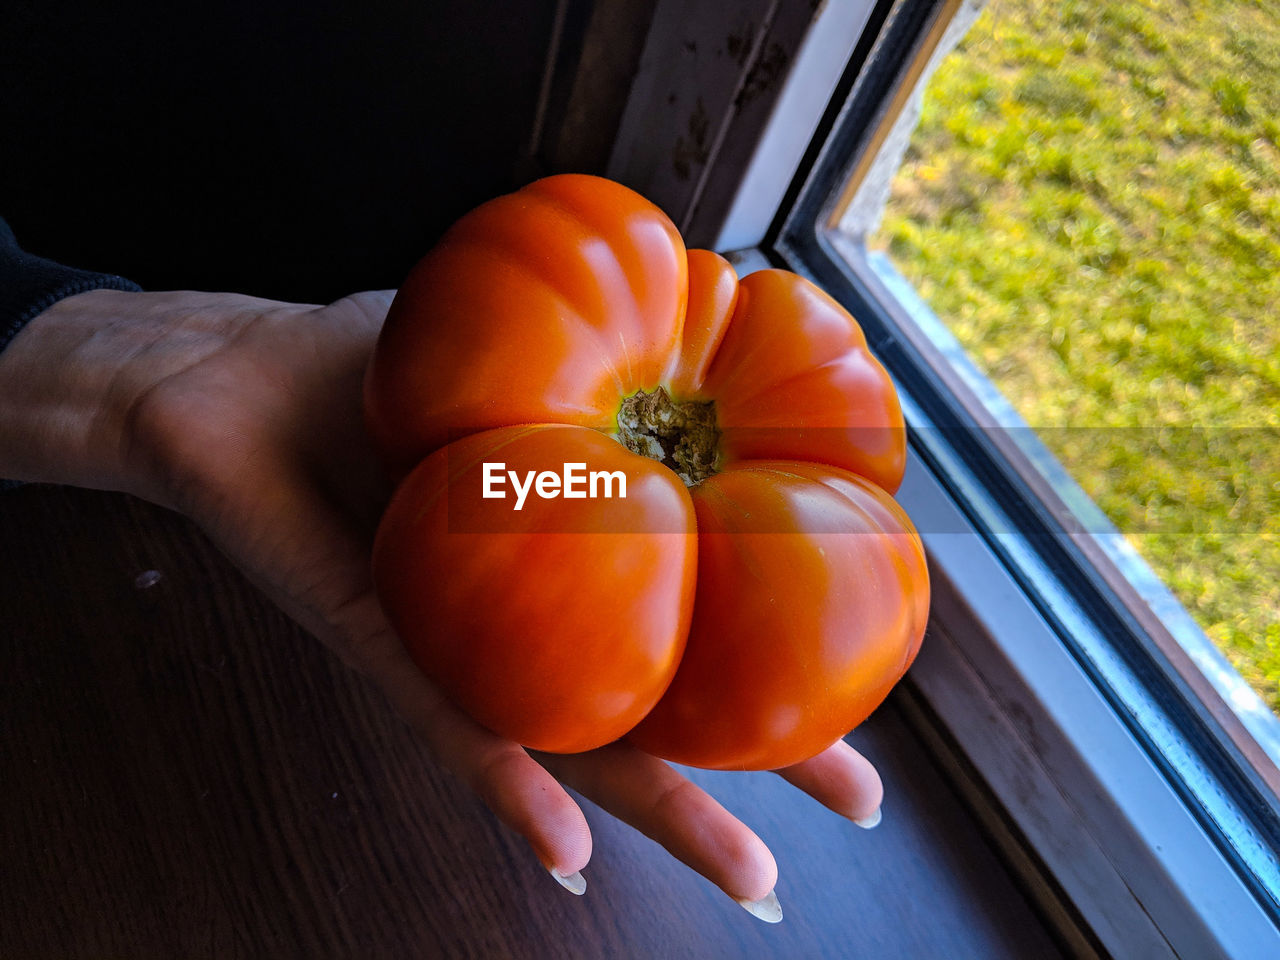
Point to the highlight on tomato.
(640, 497)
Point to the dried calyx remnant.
(680, 434)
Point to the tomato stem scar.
(681, 434)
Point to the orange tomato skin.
(713, 294)
(543, 306)
(793, 379)
(558, 625)
(812, 601)
(785, 595)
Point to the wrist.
(72, 380)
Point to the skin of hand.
(245, 415)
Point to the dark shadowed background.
(291, 150)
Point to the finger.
(842, 779)
(519, 790)
(648, 794)
(317, 571)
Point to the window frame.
(1139, 809)
(1051, 493)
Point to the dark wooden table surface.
(185, 774)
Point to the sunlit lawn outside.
(1092, 204)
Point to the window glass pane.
(1091, 203)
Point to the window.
(1061, 680)
(1087, 203)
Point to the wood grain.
(183, 773)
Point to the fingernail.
(766, 908)
(869, 821)
(573, 882)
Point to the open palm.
(245, 415)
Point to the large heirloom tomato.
(754, 594)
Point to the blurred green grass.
(1092, 204)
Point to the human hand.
(245, 415)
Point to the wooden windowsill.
(183, 773)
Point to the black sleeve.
(29, 285)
